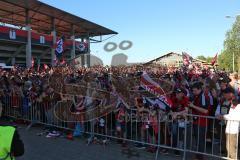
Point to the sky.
(157, 27)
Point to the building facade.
(173, 60)
(170, 59)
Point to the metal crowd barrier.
(183, 135)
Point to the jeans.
(178, 134)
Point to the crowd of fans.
(196, 94)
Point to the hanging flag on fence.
(59, 47)
(187, 59)
(214, 60)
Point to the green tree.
(207, 59)
(201, 57)
(231, 47)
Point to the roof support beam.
(46, 14)
(29, 41)
(73, 49)
(54, 34)
(42, 11)
(10, 13)
(32, 19)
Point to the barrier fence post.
(39, 112)
(158, 146)
(32, 117)
(185, 139)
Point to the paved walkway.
(42, 148)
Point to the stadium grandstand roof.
(41, 15)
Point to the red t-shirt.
(120, 116)
(197, 101)
(179, 105)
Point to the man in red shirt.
(200, 108)
(179, 107)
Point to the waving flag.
(164, 103)
(148, 84)
(187, 59)
(153, 87)
(59, 48)
(63, 62)
(55, 61)
(214, 60)
(45, 66)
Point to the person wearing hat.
(179, 108)
(231, 114)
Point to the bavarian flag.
(59, 47)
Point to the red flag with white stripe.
(214, 60)
(148, 84)
(153, 87)
(63, 62)
(45, 66)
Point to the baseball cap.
(224, 80)
(179, 90)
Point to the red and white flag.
(148, 84)
(63, 62)
(214, 60)
(153, 87)
(187, 59)
(164, 103)
(45, 66)
(55, 61)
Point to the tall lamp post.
(233, 59)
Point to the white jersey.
(233, 119)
